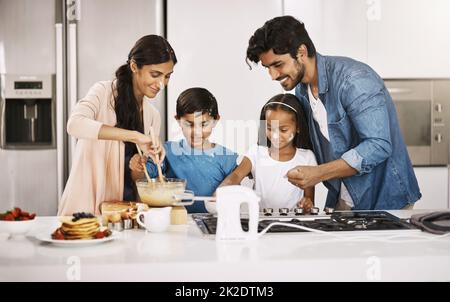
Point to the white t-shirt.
(320, 116)
(269, 175)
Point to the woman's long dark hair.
(148, 50)
(301, 140)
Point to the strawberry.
(99, 235)
(9, 217)
(32, 216)
(24, 214)
(58, 235)
(16, 212)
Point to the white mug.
(155, 220)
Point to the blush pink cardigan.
(97, 172)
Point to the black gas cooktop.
(338, 221)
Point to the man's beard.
(300, 70)
(298, 77)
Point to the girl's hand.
(137, 163)
(306, 204)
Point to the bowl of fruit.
(16, 222)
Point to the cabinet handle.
(399, 90)
(438, 138)
(60, 108)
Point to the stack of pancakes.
(84, 228)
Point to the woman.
(109, 121)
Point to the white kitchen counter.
(184, 254)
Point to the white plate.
(47, 237)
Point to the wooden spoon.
(145, 168)
(158, 165)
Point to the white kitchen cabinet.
(433, 183)
(397, 38)
(410, 39)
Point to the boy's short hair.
(197, 99)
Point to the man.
(352, 121)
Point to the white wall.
(210, 38)
(337, 27)
(107, 30)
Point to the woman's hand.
(143, 141)
(157, 152)
(150, 148)
(306, 204)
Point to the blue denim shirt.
(364, 131)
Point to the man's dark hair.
(281, 34)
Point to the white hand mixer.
(229, 200)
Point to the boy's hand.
(137, 163)
(306, 204)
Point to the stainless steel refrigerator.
(75, 44)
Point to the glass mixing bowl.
(170, 192)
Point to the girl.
(283, 144)
(109, 121)
(202, 163)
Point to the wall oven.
(423, 110)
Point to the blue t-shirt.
(203, 170)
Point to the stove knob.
(283, 211)
(268, 211)
(314, 211)
(329, 211)
(298, 211)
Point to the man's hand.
(306, 204)
(304, 176)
